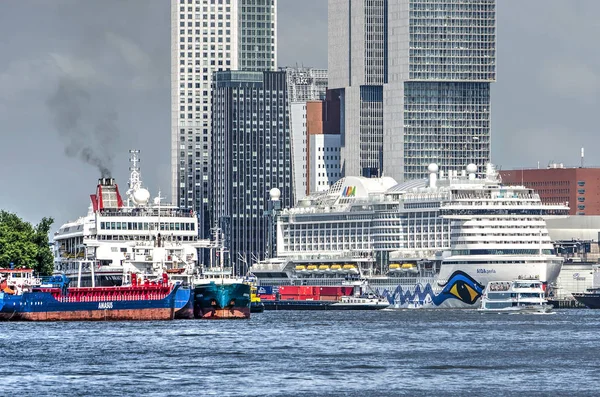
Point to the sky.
(77, 75)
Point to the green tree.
(23, 245)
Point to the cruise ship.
(118, 238)
(434, 242)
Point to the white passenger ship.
(117, 238)
(517, 296)
(434, 242)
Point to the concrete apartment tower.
(304, 85)
(209, 36)
(414, 82)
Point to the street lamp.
(272, 213)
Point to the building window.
(581, 191)
(581, 207)
(582, 199)
(581, 183)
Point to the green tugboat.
(218, 294)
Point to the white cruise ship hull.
(484, 270)
(460, 286)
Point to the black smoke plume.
(88, 129)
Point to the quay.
(566, 304)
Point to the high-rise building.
(303, 85)
(209, 36)
(324, 161)
(414, 82)
(251, 155)
(323, 144)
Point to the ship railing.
(167, 213)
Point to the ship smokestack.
(107, 195)
(106, 181)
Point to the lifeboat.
(324, 269)
(311, 268)
(410, 268)
(301, 269)
(350, 269)
(336, 269)
(394, 268)
(175, 270)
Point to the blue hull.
(42, 306)
(213, 301)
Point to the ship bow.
(215, 301)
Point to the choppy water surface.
(414, 352)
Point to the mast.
(222, 251)
(135, 182)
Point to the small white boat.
(515, 296)
(362, 302)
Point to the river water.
(383, 353)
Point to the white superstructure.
(117, 238)
(424, 232)
(522, 295)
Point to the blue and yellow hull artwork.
(460, 291)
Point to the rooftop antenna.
(581, 157)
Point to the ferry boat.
(218, 293)
(119, 238)
(523, 295)
(361, 302)
(433, 242)
(24, 297)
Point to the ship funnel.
(107, 195)
(106, 181)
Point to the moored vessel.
(352, 296)
(24, 297)
(431, 243)
(591, 297)
(218, 293)
(125, 235)
(221, 299)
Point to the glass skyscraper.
(251, 155)
(414, 79)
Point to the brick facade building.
(580, 187)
